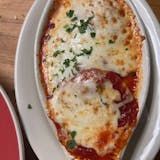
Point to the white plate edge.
(154, 27)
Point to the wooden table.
(12, 14)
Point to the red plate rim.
(15, 122)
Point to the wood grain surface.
(12, 14)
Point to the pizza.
(90, 65)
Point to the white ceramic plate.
(143, 147)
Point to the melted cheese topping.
(87, 111)
(88, 34)
(113, 48)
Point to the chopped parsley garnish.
(70, 28)
(71, 144)
(29, 106)
(70, 13)
(74, 59)
(70, 50)
(104, 103)
(90, 18)
(72, 72)
(56, 53)
(53, 90)
(73, 134)
(62, 40)
(66, 63)
(75, 35)
(74, 19)
(76, 66)
(87, 51)
(81, 54)
(126, 49)
(111, 41)
(73, 62)
(52, 64)
(93, 34)
(84, 25)
(61, 70)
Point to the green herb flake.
(66, 63)
(90, 18)
(72, 72)
(62, 40)
(52, 64)
(74, 19)
(74, 59)
(56, 53)
(93, 34)
(75, 35)
(70, 13)
(111, 41)
(53, 90)
(57, 86)
(81, 54)
(84, 24)
(70, 28)
(76, 66)
(104, 103)
(87, 51)
(71, 144)
(126, 49)
(73, 134)
(70, 50)
(29, 106)
(62, 70)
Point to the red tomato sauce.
(130, 110)
(131, 82)
(90, 154)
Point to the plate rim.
(36, 149)
(16, 123)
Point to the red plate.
(10, 135)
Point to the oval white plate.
(35, 122)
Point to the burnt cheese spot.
(122, 13)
